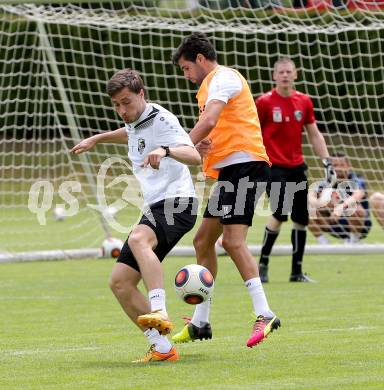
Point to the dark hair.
(126, 78)
(195, 44)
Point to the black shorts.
(288, 193)
(168, 225)
(237, 191)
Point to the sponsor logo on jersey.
(277, 115)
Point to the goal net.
(54, 65)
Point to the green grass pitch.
(61, 328)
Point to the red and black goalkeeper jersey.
(282, 120)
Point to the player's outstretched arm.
(118, 136)
(185, 154)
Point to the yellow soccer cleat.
(191, 332)
(154, 356)
(158, 320)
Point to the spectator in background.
(284, 113)
(343, 213)
(376, 201)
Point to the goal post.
(56, 60)
(50, 67)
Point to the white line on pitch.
(356, 328)
(35, 351)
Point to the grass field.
(60, 328)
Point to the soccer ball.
(110, 211)
(59, 213)
(194, 284)
(111, 247)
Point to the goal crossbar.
(188, 251)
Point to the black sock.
(298, 239)
(269, 239)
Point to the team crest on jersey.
(298, 115)
(226, 211)
(141, 145)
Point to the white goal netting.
(55, 61)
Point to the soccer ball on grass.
(111, 247)
(194, 284)
(59, 213)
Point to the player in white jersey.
(159, 149)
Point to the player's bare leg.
(123, 283)
(204, 243)
(315, 225)
(274, 224)
(198, 326)
(234, 242)
(356, 220)
(142, 242)
(377, 206)
(356, 223)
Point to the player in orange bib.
(236, 156)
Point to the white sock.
(322, 240)
(259, 300)
(201, 314)
(162, 344)
(157, 299)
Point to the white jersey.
(158, 127)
